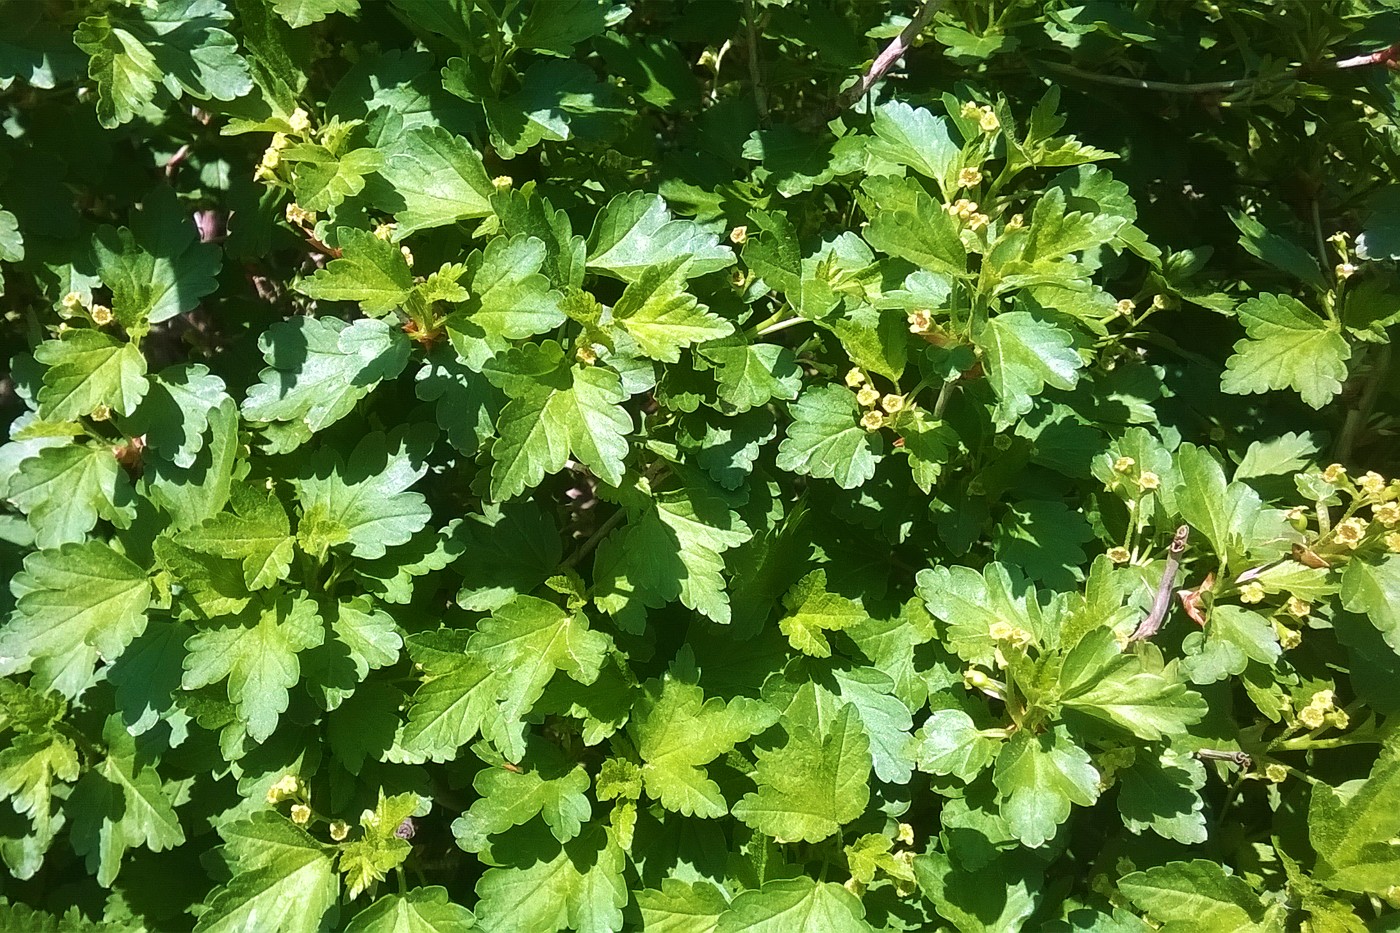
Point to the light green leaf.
(795, 161)
(1162, 793)
(906, 222)
(257, 533)
(916, 138)
(119, 805)
(1281, 253)
(321, 179)
(795, 904)
(364, 501)
(159, 268)
(673, 551)
(552, 788)
(995, 897)
(370, 270)
(1288, 347)
(825, 439)
(750, 375)
(455, 700)
(424, 909)
(175, 413)
(64, 490)
(556, 410)
(1039, 777)
(566, 23)
(1373, 589)
(437, 179)
(257, 653)
(577, 886)
(1194, 896)
(949, 743)
(299, 13)
(811, 611)
(88, 370)
(525, 642)
(379, 848)
(31, 765)
(662, 316)
(1232, 516)
(284, 881)
(677, 732)
(73, 605)
(320, 367)
(1352, 828)
(681, 907)
(1126, 690)
(510, 298)
(1233, 637)
(635, 231)
(124, 69)
(971, 603)
(421, 910)
(1023, 355)
(816, 783)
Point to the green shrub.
(725, 465)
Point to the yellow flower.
(301, 814)
(1124, 464)
(1350, 531)
(977, 221)
(1119, 555)
(102, 413)
(1298, 607)
(1334, 473)
(72, 302)
(1016, 222)
(1125, 307)
(586, 355)
(300, 121)
(969, 177)
(1372, 483)
(892, 403)
(1275, 772)
(867, 396)
(1149, 481)
(339, 830)
(988, 122)
(503, 183)
(1251, 593)
(1344, 270)
(385, 231)
(1312, 717)
(906, 834)
(296, 214)
(920, 322)
(855, 378)
(739, 235)
(1338, 719)
(1387, 513)
(101, 315)
(407, 255)
(1288, 638)
(872, 421)
(970, 111)
(1392, 542)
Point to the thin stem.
(1356, 418)
(651, 474)
(944, 395)
(891, 54)
(780, 325)
(1158, 614)
(760, 96)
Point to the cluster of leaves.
(571, 459)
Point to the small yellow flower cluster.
(1146, 481)
(1119, 555)
(101, 315)
(289, 785)
(967, 212)
(920, 322)
(855, 378)
(1275, 773)
(301, 814)
(1350, 531)
(1298, 608)
(1315, 713)
(272, 157)
(969, 177)
(1125, 307)
(1252, 593)
(298, 215)
(1334, 474)
(1004, 631)
(1124, 464)
(300, 122)
(986, 118)
(1387, 513)
(1372, 484)
(1288, 638)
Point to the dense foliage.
(727, 465)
